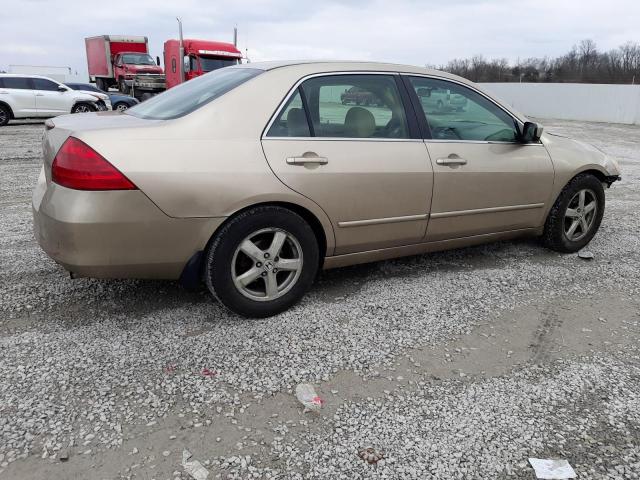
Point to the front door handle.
(39, 94)
(452, 160)
(310, 160)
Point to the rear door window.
(355, 106)
(44, 84)
(19, 83)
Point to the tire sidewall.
(217, 269)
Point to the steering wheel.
(442, 130)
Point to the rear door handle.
(451, 160)
(307, 160)
(39, 94)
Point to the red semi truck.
(200, 57)
(124, 61)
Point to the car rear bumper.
(117, 234)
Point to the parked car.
(118, 101)
(34, 96)
(103, 101)
(289, 183)
(440, 100)
(359, 96)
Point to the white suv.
(33, 96)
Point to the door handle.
(452, 160)
(2, 91)
(315, 160)
(39, 94)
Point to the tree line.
(582, 64)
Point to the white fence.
(572, 101)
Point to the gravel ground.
(457, 365)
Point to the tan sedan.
(254, 177)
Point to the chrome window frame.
(300, 81)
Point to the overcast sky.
(418, 32)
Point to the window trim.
(424, 124)
(408, 108)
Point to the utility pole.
(181, 50)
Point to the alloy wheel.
(122, 107)
(580, 214)
(267, 264)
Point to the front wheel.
(576, 216)
(82, 108)
(262, 261)
(121, 106)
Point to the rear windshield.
(193, 94)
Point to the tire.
(102, 84)
(121, 106)
(225, 263)
(122, 87)
(5, 115)
(83, 107)
(567, 210)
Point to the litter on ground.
(194, 467)
(552, 469)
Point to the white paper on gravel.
(193, 468)
(552, 469)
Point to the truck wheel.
(83, 108)
(122, 86)
(5, 115)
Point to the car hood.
(143, 69)
(579, 154)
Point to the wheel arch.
(192, 273)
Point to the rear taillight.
(80, 167)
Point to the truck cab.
(200, 57)
(128, 65)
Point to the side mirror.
(424, 92)
(531, 132)
(62, 88)
(158, 61)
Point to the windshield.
(137, 59)
(82, 86)
(193, 94)
(211, 64)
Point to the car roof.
(348, 65)
(27, 75)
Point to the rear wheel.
(576, 216)
(262, 261)
(5, 115)
(83, 108)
